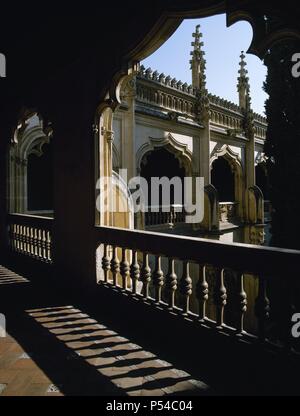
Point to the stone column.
(249, 161)
(205, 152)
(104, 139)
(243, 88)
(74, 251)
(128, 142)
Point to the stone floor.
(53, 348)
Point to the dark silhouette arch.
(160, 163)
(261, 180)
(222, 177)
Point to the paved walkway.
(54, 348)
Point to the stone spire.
(198, 62)
(198, 65)
(243, 86)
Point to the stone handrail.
(125, 259)
(30, 235)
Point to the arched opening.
(262, 180)
(161, 163)
(30, 163)
(222, 177)
(40, 180)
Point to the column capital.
(107, 134)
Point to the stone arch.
(236, 166)
(104, 157)
(179, 150)
(27, 142)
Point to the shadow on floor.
(80, 353)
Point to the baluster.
(44, 245)
(106, 263)
(26, 245)
(242, 298)
(31, 242)
(28, 249)
(23, 239)
(262, 308)
(39, 243)
(27, 240)
(186, 286)
(35, 243)
(49, 246)
(18, 238)
(202, 292)
(146, 275)
(220, 297)
(171, 283)
(158, 278)
(21, 236)
(115, 265)
(124, 269)
(172, 216)
(134, 271)
(15, 236)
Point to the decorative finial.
(243, 85)
(243, 78)
(198, 63)
(198, 66)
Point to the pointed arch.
(235, 163)
(28, 140)
(179, 150)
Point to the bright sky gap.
(222, 48)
